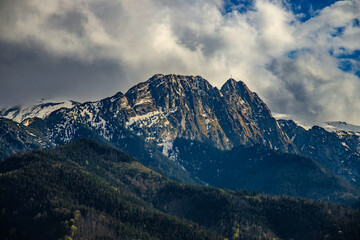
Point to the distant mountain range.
(188, 130)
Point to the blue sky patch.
(241, 6)
(356, 22)
(350, 62)
(337, 32)
(304, 9)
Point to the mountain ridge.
(40, 109)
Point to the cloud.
(312, 84)
(292, 64)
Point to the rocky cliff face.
(248, 119)
(338, 151)
(167, 107)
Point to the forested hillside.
(87, 190)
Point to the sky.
(302, 57)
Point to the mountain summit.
(167, 107)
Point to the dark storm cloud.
(29, 75)
(193, 39)
(296, 88)
(72, 22)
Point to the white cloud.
(195, 37)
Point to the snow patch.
(142, 101)
(344, 144)
(344, 126)
(148, 119)
(167, 146)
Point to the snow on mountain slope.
(344, 126)
(331, 126)
(41, 109)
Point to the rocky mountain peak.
(173, 106)
(167, 107)
(237, 90)
(230, 84)
(182, 81)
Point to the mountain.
(152, 118)
(257, 168)
(167, 107)
(174, 106)
(338, 151)
(87, 190)
(41, 109)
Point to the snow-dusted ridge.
(344, 126)
(40, 109)
(331, 126)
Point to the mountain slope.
(345, 126)
(257, 120)
(15, 137)
(122, 138)
(261, 169)
(338, 151)
(89, 190)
